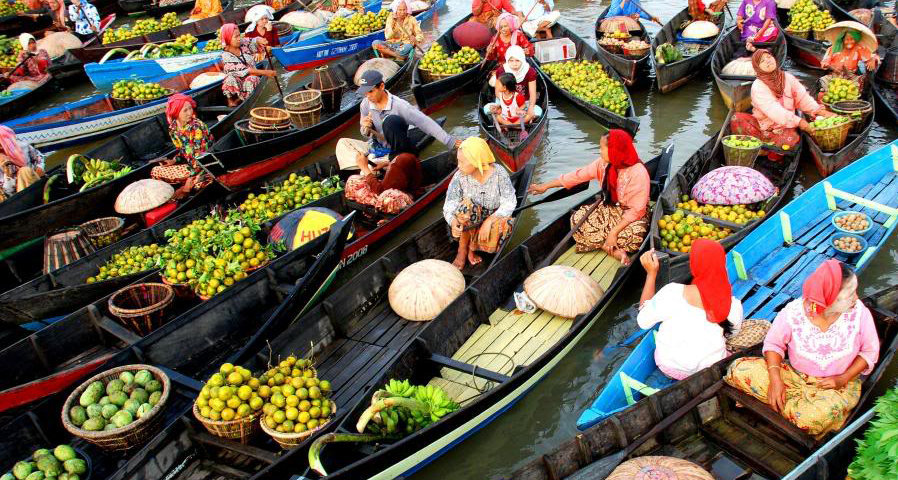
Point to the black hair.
(507, 80)
(847, 272)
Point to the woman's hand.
(823, 112)
(610, 242)
(650, 262)
(803, 125)
(739, 23)
(529, 116)
(776, 391)
(483, 233)
(537, 188)
(833, 383)
(269, 73)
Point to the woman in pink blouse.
(829, 338)
(619, 225)
(775, 96)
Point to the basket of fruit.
(852, 222)
(818, 34)
(298, 405)
(849, 244)
(118, 409)
(858, 110)
(181, 290)
(830, 134)
(635, 48)
(121, 103)
(141, 307)
(269, 118)
(613, 45)
(436, 64)
(805, 34)
(229, 403)
(740, 150)
(104, 231)
(63, 462)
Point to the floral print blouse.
(192, 141)
(496, 194)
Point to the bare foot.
(473, 258)
(459, 261)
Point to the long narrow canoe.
(780, 173)
(30, 21)
(513, 151)
(65, 290)
(585, 52)
(315, 50)
(432, 96)
(631, 70)
(805, 51)
(26, 217)
(70, 353)
(768, 266)
(234, 162)
(451, 352)
(715, 426)
(671, 76)
(886, 100)
(829, 162)
(21, 100)
(735, 89)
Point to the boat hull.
(669, 77)
(12, 107)
(631, 71)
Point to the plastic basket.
(104, 231)
(555, 50)
(740, 156)
(832, 138)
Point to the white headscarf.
(395, 5)
(516, 51)
(256, 13)
(24, 39)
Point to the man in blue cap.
(385, 119)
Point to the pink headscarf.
(11, 146)
(512, 20)
(823, 286)
(175, 104)
(228, 31)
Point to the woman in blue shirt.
(629, 8)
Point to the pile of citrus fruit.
(739, 214)
(679, 229)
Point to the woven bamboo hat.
(659, 467)
(868, 39)
(563, 290)
(618, 24)
(424, 289)
(143, 195)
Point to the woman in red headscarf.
(191, 138)
(239, 64)
(775, 96)
(694, 318)
(619, 225)
(20, 163)
(829, 338)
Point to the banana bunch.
(400, 389)
(401, 408)
(93, 171)
(439, 404)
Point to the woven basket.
(818, 34)
(269, 118)
(858, 110)
(307, 118)
(121, 103)
(805, 34)
(242, 429)
(290, 440)
(429, 76)
(616, 49)
(141, 307)
(145, 101)
(181, 290)
(104, 231)
(283, 28)
(131, 435)
(302, 100)
(173, 174)
(739, 157)
(636, 52)
(832, 138)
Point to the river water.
(686, 118)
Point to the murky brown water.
(686, 117)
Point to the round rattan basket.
(290, 440)
(818, 35)
(104, 231)
(131, 435)
(303, 100)
(739, 156)
(306, 118)
(858, 110)
(182, 290)
(141, 307)
(805, 34)
(269, 118)
(832, 138)
(121, 103)
(241, 429)
(612, 48)
(635, 52)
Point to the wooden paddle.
(647, 13)
(723, 129)
(276, 82)
(557, 195)
(604, 466)
(99, 26)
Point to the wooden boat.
(234, 162)
(585, 52)
(631, 70)
(27, 214)
(65, 290)
(708, 157)
(672, 76)
(735, 89)
(29, 21)
(829, 162)
(805, 51)
(153, 9)
(96, 116)
(432, 96)
(705, 421)
(886, 98)
(506, 143)
(21, 100)
(73, 356)
(768, 266)
(313, 50)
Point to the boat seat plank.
(538, 324)
(811, 228)
(405, 335)
(741, 288)
(778, 260)
(768, 312)
(518, 322)
(474, 354)
(350, 392)
(888, 196)
(533, 348)
(798, 279)
(360, 327)
(461, 394)
(467, 370)
(787, 276)
(481, 329)
(497, 316)
(340, 351)
(380, 327)
(754, 301)
(394, 325)
(564, 256)
(475, 345)
(552, 328)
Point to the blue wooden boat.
(94, 117)
(770, 264)
(20, 100)
(313, 50)
(105, 73)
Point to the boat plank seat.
(774, 419)
(461, 394)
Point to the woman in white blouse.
(694, 317)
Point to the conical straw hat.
(563, 290)
(143, 195)
(424, 289)
(613, 24)
(868, 39)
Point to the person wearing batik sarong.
(191, 138)
(775, 96)
(829, 339)
(479, 202)
(20, 163)
(35, 61)
(619, 224)
(238, 57)
(402, 33)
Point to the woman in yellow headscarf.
(479, 202)
(205, 9)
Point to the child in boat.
(510, 105)
(525, 80)
(830, 340)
